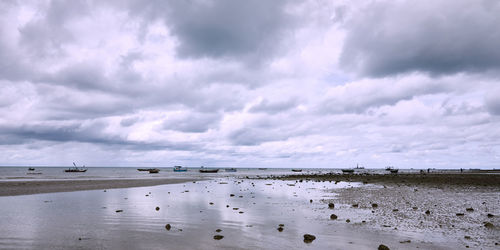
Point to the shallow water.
(88, 219)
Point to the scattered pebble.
(308, 238)
(469, 209)
(488, 225)
(168, 227)
(280, 229)
(405, 241)
(157, 208)
(427, 212)
(490, 215)
(383, 247)
(331, 205)
(333, 217)
(218, 230)
(119, 210)
(218, 237)
(374, 205)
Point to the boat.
(76, 169)
(31, 169)
(359, 167)
(179, 169)
(154, 171)
(230, 170)
(262, 168)
(297, 170)
(347, 170)
(389, 168)
(144, 169)
(208, 170)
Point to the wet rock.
(281, 225)
(241, 212)
(331, 205)
(235, 208)
(211, 203)
(231, 195)
(218, 237)
(469, 209)
(355, 205)
(488, 225)
(383, 247)
(157, 208)
(490, 215)
(168, 227)
(280, 229)
(395, 210)
(308, 238)
(227, 205)
(310, 201)
(374, 205)
(347, 220)
(427, 212)
(333, 217)
(415, 208)
(460, 214)
(405, 241)
(218, 230)
(119, 210)
(467, 237)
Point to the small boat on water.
(179, 169)
(76, 169)
(154, 171)
(230, 170)
(208, 170)
(347, 170)
(297, 170)
(389, 168)
(144, 169)
(31, 169)
(262, 168)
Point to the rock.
(157, 208)
(333, 217)
(281, 225)
(415, 208)
(280, 229)
(405, 241)
(488, 225)
(460, 214)
(308, 238)
(395, 210)
(383, 247)
(469, 209)
(355, 205)
(241, 212)
(427, 212)
(467, 237)
(490, 215)
(119, 211)
(347, 220)
(331, 205)
(168, 227)
(211, 203)
(374, 205)
(310, 201)
(218, 237)
(235, 208)
(218, 230)
(231, 195)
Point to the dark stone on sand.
(218, 230)
(355, 205)
(415, 208)
(119, 211)
(490, 215)
(211, 203)
(383, 247)
(235, 208)
(427, 212)
(281, 225)
(347, 220)
(218, 237)
(488, 225)
(168, 227)
(395, 210)
(241, 212)
(79, 238)
(280, 229)
(331, 205)
(308, 238)
(157, 208)
(469, 209)
(227, 205)
(333, 217)
(231, 195)
(460, 214)
(467, 237)
(374, 205)
(405, 241)
(310, 201)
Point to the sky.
(230, 83)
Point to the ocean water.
(51, 173)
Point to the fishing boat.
(389, 168)
(154, 171)
(230, 170)
(208, 170)
(76, 169)
(347, 170)
(297, 170)
(31, 169)
(179, 169)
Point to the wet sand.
(10, 188)
(463, 209)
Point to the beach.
(253, 210)
(14, 187)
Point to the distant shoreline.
(13, 188)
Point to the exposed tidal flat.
(223, 211)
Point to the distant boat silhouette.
(76, 169)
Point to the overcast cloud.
(250, 83)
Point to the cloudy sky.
(250, 83)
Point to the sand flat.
(9, 188)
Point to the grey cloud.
(127, 122)
(438, 37)
(192, 123)
(274, 107)
(493, 102)
(251, 30)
